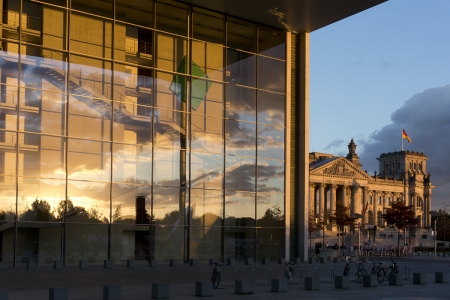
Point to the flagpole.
(402, 138)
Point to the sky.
(379, 71)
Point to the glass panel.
(131, 204)
(271, 74)
(272, 42)
(169, 205)
(101, 8)
(139, 12)
(86, 242)
(9, 69)
(56, 2)
(38, 242)
(39, 199)
(206, 171)
(208, 26)
(206, 207)
(8, 198)
(240, 138)
(41, 156)
(89, 118)
(207, 98)
(270, 210)
(239, 243)
(132, 163)
(89, 201)
(205, 243)
(171, 91)
(133, 44)
(241, 35)
(170, 129)
(171, 53)
(168, 170)
(206, 134)
(270, 176)
(270, 243)
(241, 103)
(271, 108)
(239, 209)
(129, 242)
(8, 109)
(90, 77)
(90, 35)
(270, 142)
(169, 243)
(8, 141)
(89, 160)
(10, 20)
(133, 86)
(172, 17)
(241, 68)
(52, 115)
(53, 27)
(32, 21)
(240, 173)
(132, 129)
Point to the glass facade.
(144, 130)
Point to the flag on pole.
(405, 135)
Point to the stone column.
(414, 203)
(375, 209)
(344, 196)
(321, 200)
(364, 203)
(428, 209)
(312, 197)
(333, 188)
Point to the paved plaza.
(136, 282)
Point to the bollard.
(57, 264)
(193, 262)
(419, 278)
(317, 272)
(253, 276)
(112, 292)
(243, 287)
(312, 283)
(302, 279)
(279, 285)
(236, 274)
(83, 264)
(160, 290)
(203, 289)
(31, 265)
(152, 263)
(173, 262)
(332, 274)
(131, 263)
(58, 293)
(4, 295)
(269, 276)
(3, 266)
(441, 277)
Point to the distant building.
(402, 176)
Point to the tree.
(341, 217)
(401, 216)
(117, 215)
(443, 226)
(311, 225)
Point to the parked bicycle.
(215, 278)
(383, 273)
(378, 270)
(287, 273)
(347, 268)
(360, 272)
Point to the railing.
(135, 46)
(12, 18)
(10, 138)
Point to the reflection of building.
(402, 176)
(155, 129)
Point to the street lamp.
(435, 214)
(358, 216)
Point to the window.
(379, 200)
(389, 200)
(370, 200)
(398, 165)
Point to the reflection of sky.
(90, 186)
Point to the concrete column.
(312, 198)
(344, 196)
(333, 188)
(356, 200)
(321, 200)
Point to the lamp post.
(359, 229)
(435, 214)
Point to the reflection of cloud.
(280, 17)
(426, 119)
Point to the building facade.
(146, 129)
(402, 176)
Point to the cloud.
(334, 144)
(426, 119)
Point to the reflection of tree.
(78, 213)
(117, 215)
(273, 217)
(39, 211)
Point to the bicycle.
(360, 272)
(347, 268)
(383, 272)
(378, 270)
(288, 272)
(215, 278)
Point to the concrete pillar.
(321, 200)
(312, 198)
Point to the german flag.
(405, 135)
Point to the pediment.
(340, 167)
